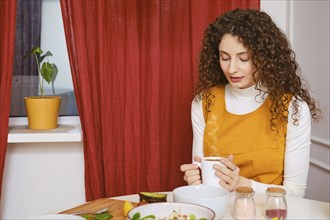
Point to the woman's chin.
(241, 85)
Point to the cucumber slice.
(153, 197)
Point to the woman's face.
(235, 62)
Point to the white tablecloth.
(298, 208)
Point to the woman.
(251, 106)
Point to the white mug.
(208, 172)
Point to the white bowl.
(213, 197)
(162, 210)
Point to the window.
(52, 38)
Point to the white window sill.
(69, 130)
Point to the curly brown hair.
(272, 56)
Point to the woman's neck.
(246, 92)
(242, 101)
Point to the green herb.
(101, 216)
(136, 216)
(87, 216)
(148, 217)
(192, 217)
(202, 219)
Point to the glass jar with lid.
(244, 206)
(275, 204)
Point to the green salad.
(175, 215)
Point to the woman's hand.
(192, 174)
(229, 174)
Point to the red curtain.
(7, 45)
(133, 65)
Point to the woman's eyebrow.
(240, 53)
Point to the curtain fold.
(134, 65)
(7, 45)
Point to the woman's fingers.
(186, 167)
(197, 159)
(192, 173)
(229, 163)
(196, 182)
(228, 174)
(228, 182)
(231, 158)
(192, 177)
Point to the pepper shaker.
(275, 204)
(244, 206)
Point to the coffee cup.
(208, 172)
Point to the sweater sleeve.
(297, 152)
(198, 126)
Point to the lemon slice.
(127, 207)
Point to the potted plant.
(42, 111)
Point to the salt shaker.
(244, 206)
(275, 204)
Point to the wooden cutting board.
(115, 207)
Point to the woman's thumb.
(197, 159)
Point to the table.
(298, 208)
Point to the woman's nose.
(232, 67)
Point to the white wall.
(44, 170)
(310, 39)
(307, 25)
(278, 10)
(43, 178)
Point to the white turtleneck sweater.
(297, 151)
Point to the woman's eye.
(245, 59)
(225, 58)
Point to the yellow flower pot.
(42, 112)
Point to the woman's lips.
(236, 79)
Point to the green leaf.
(55, 71)
(54, 77)
(87, 216)
(103, 216)
(148, 217)
(47, 71)
(47, 54)
(192, 217)
(36, 50)
(136, 216)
